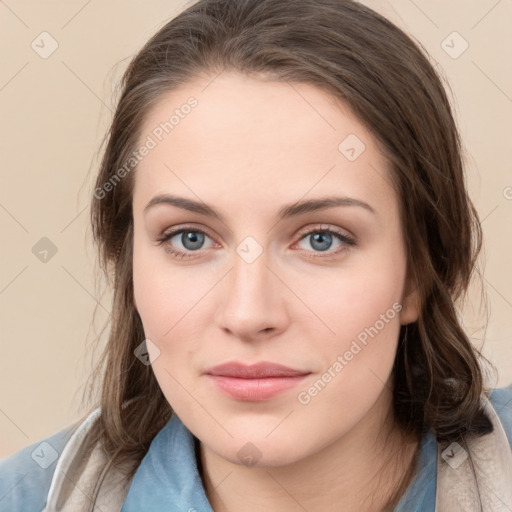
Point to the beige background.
(54, 114)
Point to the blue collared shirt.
(168, 479)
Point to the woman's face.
(261, 280)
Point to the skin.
(249, 147)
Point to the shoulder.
(25, 476)
(501, 399)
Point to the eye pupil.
(321, 241)
(192, 240)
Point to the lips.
(256, 382)
(255, 371)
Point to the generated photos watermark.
(357, 345)
(157, 135)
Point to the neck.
(362, 470)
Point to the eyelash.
(347, 240)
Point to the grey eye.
(189, 239)
(320, 241)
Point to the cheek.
(156, 293)
(355, 299)
(362, 307)
(152, 298)
(170, 303)
(365, 345)
(163, 299)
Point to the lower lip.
(255, 390)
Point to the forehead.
(237, 134)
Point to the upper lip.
(254, 371)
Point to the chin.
(261, 452)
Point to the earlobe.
(410, 306)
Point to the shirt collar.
(421, 493)
(167, 478)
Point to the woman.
(282, 208)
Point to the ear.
(410, 303)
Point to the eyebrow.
(285, 212)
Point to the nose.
(253, 300)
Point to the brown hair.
(360, 57)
